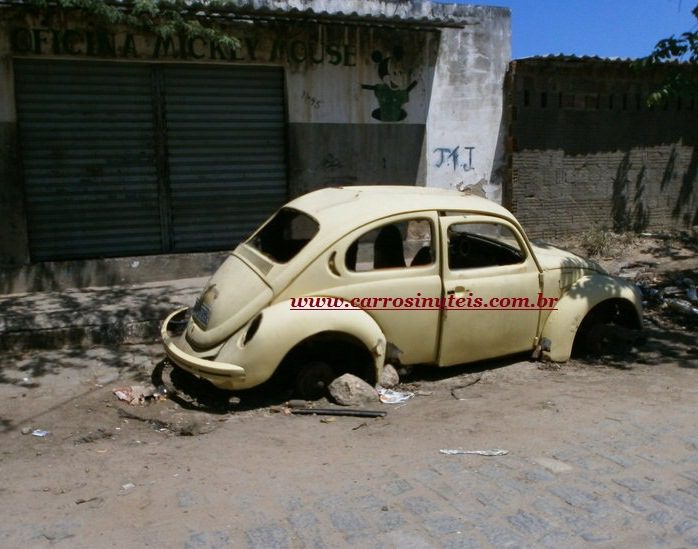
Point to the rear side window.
(286, 234)
(396, 245)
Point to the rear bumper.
(220, 374)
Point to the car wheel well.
(344, 352)
(616, 312)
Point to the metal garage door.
(127, 159)
(86, 135)
(225, 135)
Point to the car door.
(389, 267)
(490, 285)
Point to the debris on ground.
(40, 433)
(137, 395)
(492, 452)
(389, 396)
(458, 393)
(350, 390)
(357, 412)
(389, 377)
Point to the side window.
(400, 244)
(473, 245)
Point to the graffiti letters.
(458, 158)
(311, 100)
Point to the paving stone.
(419, 505)
(441, 525)
(555, 539)
(635, 484)
(268, 537)
(594, 537)
(397, 487)
(529, 523)
(632, 502)
(659, 517)
(389, 520)
(348, 521)
(460, 541)
(680, 501)
(302, 520)
(408, 540)
(619, 459)
(368, 503)
(207, 540)
(691, 490)
(573, 496)
(684, 526)
(500, 536)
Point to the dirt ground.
(202, 469)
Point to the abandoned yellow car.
(341, 278)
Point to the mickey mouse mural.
(393, 91)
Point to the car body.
(366, 247)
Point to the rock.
(349, 390)
(389, 377)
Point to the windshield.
(284, 235)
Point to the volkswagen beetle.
(344, 279)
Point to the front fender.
(282, 328)
(586, 293)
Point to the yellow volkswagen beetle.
(341, 277)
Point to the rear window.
(285, 235)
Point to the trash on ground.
(328, 420)
(492, 452)
(137, 395)
(128, 486)
(40, 433)
(681, 306)
(26, 430)
(339, 412)
(389, 396)
(81, 500)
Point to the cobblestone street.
(598, 455)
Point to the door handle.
(457, 290)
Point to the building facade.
(121, 148)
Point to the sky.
(607, 28)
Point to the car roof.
(358, 205)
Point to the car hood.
(232, 297)
(551, 258)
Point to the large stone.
(349, 390)
(389, 377)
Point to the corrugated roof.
(419, 13)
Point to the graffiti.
(458, 158)
(313, 101)
(393, 91)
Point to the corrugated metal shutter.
(128, 159)
(226, 143)
(86, 134)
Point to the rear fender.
(586, 293)
(281, 328)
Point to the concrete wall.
(587, 152)
(465, 139)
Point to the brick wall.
(585, 151)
